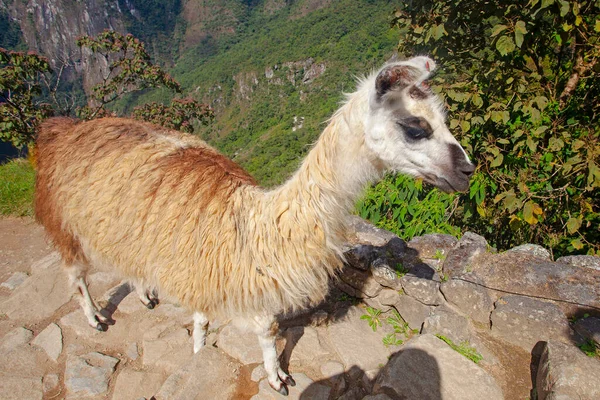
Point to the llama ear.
(398, 76)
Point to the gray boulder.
(471, 299)
(567, 373)
(464, 252)
(524, 321)
(591, 262)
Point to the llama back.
(131, 195)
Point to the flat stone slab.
(167, 346)
(15, 338)
(427, 291)
(39, 297)
(209, 374)
(51, 341)
(135, 384)
(524, 321)
(20, 388)
(412, 311)
(243, 346)
(427, 368)
(565, 372)
(15, 280)
(89, 374)
(356, 343)
(305, 345)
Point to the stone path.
(49, 352)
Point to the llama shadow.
(115, 296)
(409, 374)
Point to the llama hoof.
(101, 327)
(288, 380)
(150, 305)
(283, 390)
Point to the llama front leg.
(200, 329)
(266, 330)
(77, 274)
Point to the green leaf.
(597, 25)
(546, 3)
(497, 161)
(564, 8)
(576, 243)
(477, 100)
(497, 29)
(573, 224)
(555, 144)
(520, 31)
(505, 45)
(529, 210)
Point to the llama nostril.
(468, 169)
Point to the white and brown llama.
(170, 212)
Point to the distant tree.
(522, 82)
(21, 107)
(179, 115)
(129, 69)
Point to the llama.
(169, 211)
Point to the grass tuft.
(17, 178)
(464, 348)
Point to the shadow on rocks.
(409, 374)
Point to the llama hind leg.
(266, 330)
(77, 274)
(200, 329)
(146, 294)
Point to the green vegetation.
(520, 81)
(464, 348)
(256, 128)
(402, 205)
(400, 270)
(372, 318)
(16, 188)
(590, 348)
(400, 328)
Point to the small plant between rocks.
(590, 348)
(401, 270)
(372, 317)
(463, 348)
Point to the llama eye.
(415, 128)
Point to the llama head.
(406, 128)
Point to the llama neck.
(335, 172)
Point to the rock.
(132, 351)
(464, 252)
(19, 388)
(15, 280)
(22, 361)
(471, 299)
(389, 297)
(305, 389)
(589, 328)
(243, 346)
(51, 341)
(377, 397)
(16, 338)
(135, 384)
(592, 262)
(523, 321)
(258, 373)
(567, 373)
(523, 274)
(305, 345)
(319, 318)
(356, 343)
(209, 374)
(89, 374)
(374, 302)
(433, 245)
(412, 311)
(443, 321)
(167, 346)
(384, 274)
(38, 298)
(367, 233)
(532, 249)
(362, 281)
(50, 385)
(425, 290)
(361, 256)
(430, 369)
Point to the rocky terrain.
(453, 320)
